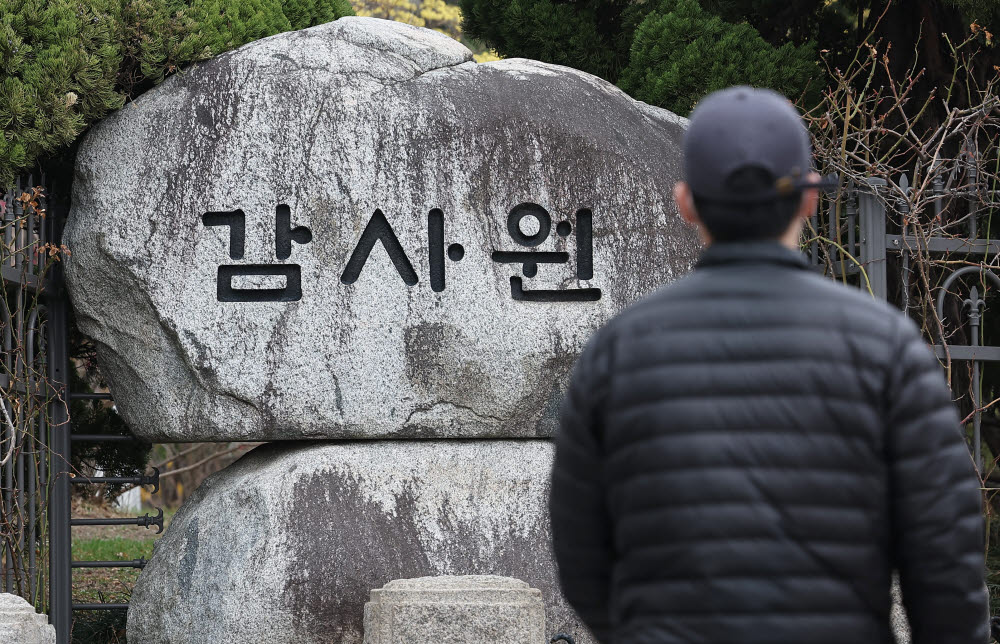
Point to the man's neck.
(789, 242)
(791, 238)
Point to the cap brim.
(828, 183)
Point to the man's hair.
(751, 221)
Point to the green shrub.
(64, 64)
(680, 53)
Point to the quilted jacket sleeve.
(936, 503)
(581, 529)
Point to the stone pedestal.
(484, 609)
(20, 624)
(900, 625)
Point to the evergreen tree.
(58, 65)
(66, 63)
(681, 53)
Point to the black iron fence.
(865, 235)
(36, 472)
(24, 454)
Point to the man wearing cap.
(748, 454)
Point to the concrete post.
(20, 624)
(455, 610)
(900, 625)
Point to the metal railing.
(860, 247)
(36, 475)
(24, 462)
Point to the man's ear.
(685, 203)
(810, 199)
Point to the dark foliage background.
(672, 52)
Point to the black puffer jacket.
(746, 455)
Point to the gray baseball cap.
(743, 127)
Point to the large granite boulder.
(356, 231)
(284, 546)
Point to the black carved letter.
(435, 248)
(237, 229)
(284, 234)
(378, 229)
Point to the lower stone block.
(286, 545)
(455, 610)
